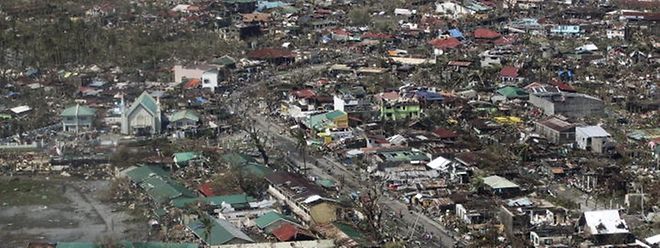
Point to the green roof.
(185, 114)
(270, 218)
(147, 101)
(78, 110)
(236, 200)
(237, 159)
(224, 60)
(127, 244)
(163, 190)
(325, 120)
(349, 231)
(335, 114)
(160, 212)
(512, 92)
(77, 245)
(221, 232)
(182, 158)
(327, 183)
(139, 174)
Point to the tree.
(249, 183)
(359, 16)
(237, 180)
(368, 204)
(301, 145)
(257, 139)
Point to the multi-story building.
(76, 118)
(572, 105)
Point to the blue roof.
(265, 5)
(429, 96)
(200, 99)
(455, 33)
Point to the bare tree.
(368, 205)
(301, 145)
(258, 140)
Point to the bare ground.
(82, 217)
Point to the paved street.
(325, 167)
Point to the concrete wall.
(181, 72)
(294, 207)
(555, 136)
(570, 105)
(210, 79)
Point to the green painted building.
(77, 118)
(394, 107)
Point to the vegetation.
(65, 41)
(21, 192)
(359, 16)
(369, 205)
(257, 139)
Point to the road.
(327, 168)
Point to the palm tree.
(208, 225)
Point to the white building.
(208, 74)
(616, 33)
(142, 117)
(452, 9)
(341, 102)
(591, 138)
(210, 79)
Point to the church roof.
(147, 101)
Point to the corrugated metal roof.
(497, 182)
(78, 110)
(592, 131)
(221, 232)
(270, 218)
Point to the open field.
(29, 192)
(58, 210)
